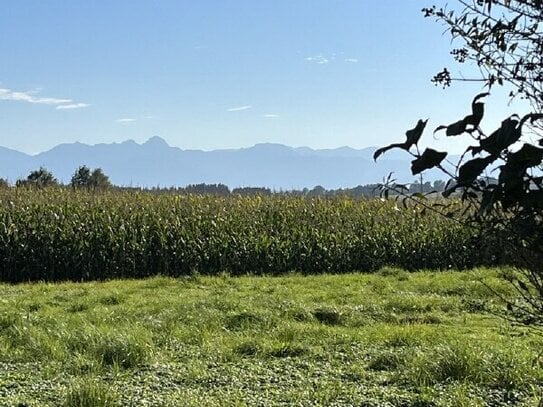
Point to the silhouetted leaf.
(533, 117)
(474, 150)
(513, 174)
(479, 96)
(472, 169)
(412, 138)
(413, 135)
(528, 156)
(474, 119)
(429, 159)
(477, 111)
(508, 134)
(438, 128)
(454, 129)
(383, 150)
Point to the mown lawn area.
(387, 339)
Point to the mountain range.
(155, 163)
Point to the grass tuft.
(287, 350)
(328, 316)
(122, 350)
(243, 320)
(248, 348)
(90, 393)
(386, 361)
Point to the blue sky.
(213, 74)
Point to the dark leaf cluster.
(503, 38)
(500, 176)
(507, 208)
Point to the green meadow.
(391, 338)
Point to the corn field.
(59, 234)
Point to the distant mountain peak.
(128, 142)
(274, 148)
(270, 145)
(156, 141)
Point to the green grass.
(388, 339)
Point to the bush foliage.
(499, 176)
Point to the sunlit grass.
(394, 337)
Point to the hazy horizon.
(201, 149)
(269, 165)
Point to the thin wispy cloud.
(32, 97)
(322, 59)
(134, 119)
(318, 59)
(271, 116)
(239, 108)
(72, 106)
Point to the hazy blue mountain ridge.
(155, 163)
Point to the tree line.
(85, 178)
